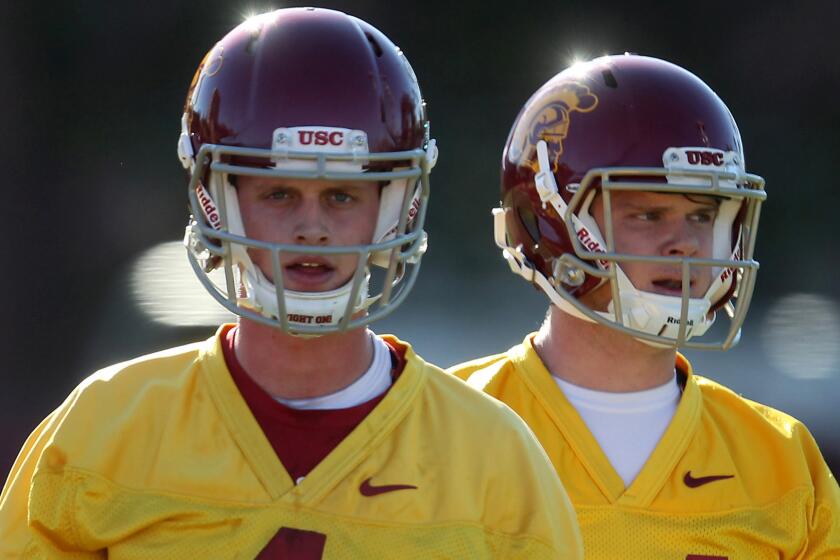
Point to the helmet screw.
(575, 277)
(569, 275)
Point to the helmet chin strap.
(658, 314)
(310, 308)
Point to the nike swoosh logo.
(368, 489)
(693, 482)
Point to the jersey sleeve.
(22, 534)
(824, 523)
(532, 477)
(538, 482)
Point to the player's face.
(314, 213)
(659, 224)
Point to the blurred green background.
(92, 94)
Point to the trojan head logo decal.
(549, 121)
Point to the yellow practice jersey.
(161, 458)
(730, 478)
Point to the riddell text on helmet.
(412, 212)
(588, 242)
(208, 206)
(591, 244)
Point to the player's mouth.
(308, 274)
(670, 286)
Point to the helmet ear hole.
(529, 220)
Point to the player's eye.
(278, 194)
(647, 216)
(703, 216)
(341, 197)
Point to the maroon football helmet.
(306, 93)
(627, 123)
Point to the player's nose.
(681, 240)
(310, 224)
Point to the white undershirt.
(627, 426)
(371, 384)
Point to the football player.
(296, 433)
(625, 198)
